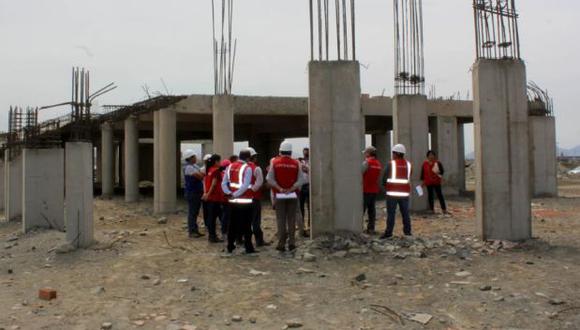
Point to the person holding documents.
(285, 178)
(432, 177)
(397, 180)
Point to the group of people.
(232, 190)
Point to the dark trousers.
(194, 205)
(431, 191)
(240, 225)
(224, 217)
(214, 210)
(403, 204)
(305, 199)
(369, 204)
(257, 222)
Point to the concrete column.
(79, 194)
(156, 162)
(461, 158)
(223, 125)
(2, 183)
(207, 148)
(502, 203)
(166, 161)
(543, 162)
(12, 187)
(107, 160)
(131, 159)
(335, 121)
(444, 143)
(382, 141)
(411, 128)
(43, 189)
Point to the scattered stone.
(12, 239)
(358, 251)
(293, 324)
(237, 318)
(529, 262)
(305, 271)
(499, 299)
(360, 277)
(65, 248)
(98, 290)
(145, 277)
(157, 282)
(10, 271)
(160, 318)
(139, 323)
(162, 221)
(422, 318)
(272, 307)
(47, 294)
(339, 254)
(463, 274)
(253, 319)
(556, 302)
(309, 257)
(254, 272)
(485, 288)
(107, 326)
(182, 280)
(400, 256)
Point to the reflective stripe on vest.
(234, 186)
(393, 180)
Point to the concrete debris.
(293, 324)
(271, 307)
(182, 280)
(309, 257)
(254, 272)
(237, 318)
(145, 277)
(463, 274)
(139, 323)
(305, 271)
(556, 302)
(98, 290)
(65, 248)
(485, 288)
(106, 326)
(422, 318)
(360, 277)
(162, 221)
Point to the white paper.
(419, 190)
(291, 195)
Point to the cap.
(286, 147)
(187, 154)
(252, 151)
(399, 148)
(369, 150)
(206, 157)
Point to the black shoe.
(215, 240)
(370, 232)
(291, 247)
(385, 236)
(195, 234)
(252, 251)
(281, 248)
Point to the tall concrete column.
(43, 189)
(503, 204)
(411, 128)
(79, 194)
(107, 160)
(461, 158)
(335, 121)
(131, 159)
(444, 142)
(12, 186)
(543, 162)
(2, 183)
(223, 125)
(165, 151)
(382, 141)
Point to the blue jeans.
(194, 205)
(403, 204)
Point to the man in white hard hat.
(193, 191)
(285, 178)
(257, 184)
(397, 180)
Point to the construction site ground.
(146, 274)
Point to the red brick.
(47, 294)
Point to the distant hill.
(573, 152)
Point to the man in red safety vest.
(397, 181)
(236, 185)
(286, 178)
(372, 169)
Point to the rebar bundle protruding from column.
(321, 28)
(409, 58)
(540, 103)
(496, 29)
(224, 49)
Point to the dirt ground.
(135, 278)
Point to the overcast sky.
(138, 42)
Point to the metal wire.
(224, 50)
(540, 103)
(496, 29)
(409, 58)
(321, 34)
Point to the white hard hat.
(399, 148)
(206, 157)
(369, 150)
(286, 147)
(187, 154)
(252, 151)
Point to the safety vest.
(371, 176)
(430, 178)
(286, 171)
(399, 179)
(236, 174)
(257, 194)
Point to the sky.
(143, 42)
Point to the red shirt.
(217, 194)
(371, 176)
(286, 171)
(430, 178)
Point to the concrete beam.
(131, 160)
(43, 189)
(107, 160)
(411, 128)
(503, 204)
(223, 125)
(12, 186)
(79, 194)
(336, 123)
(166, 154)
(543, 162)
